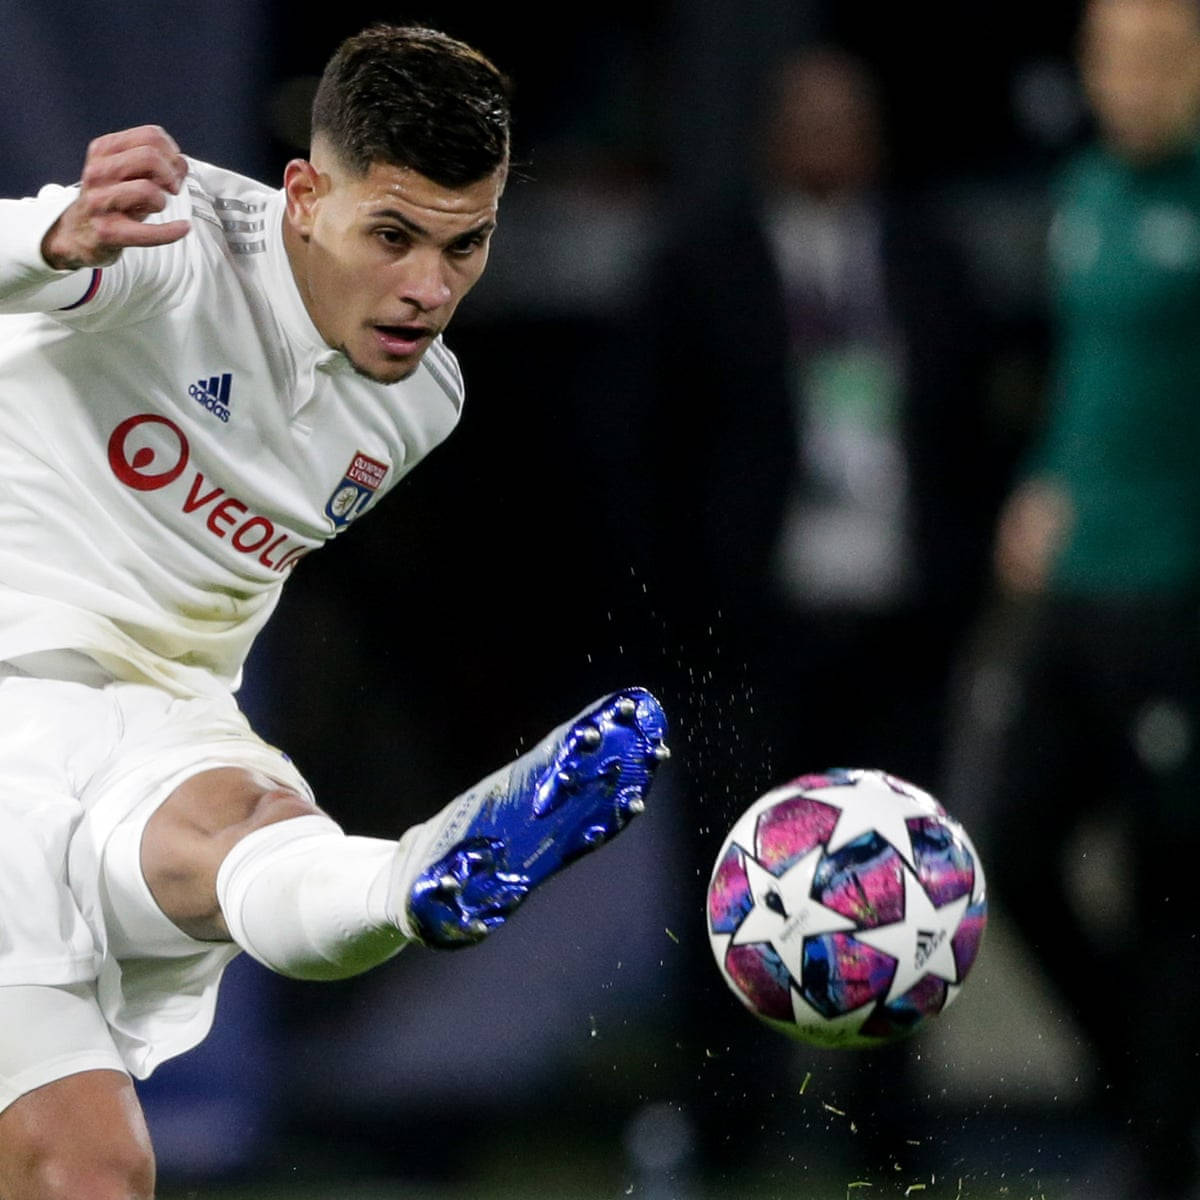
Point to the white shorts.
(47, 1033)
(81, 756)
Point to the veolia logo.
(149, 452)
(138, 461)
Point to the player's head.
(821, 126)
(1140, 62)
(389, 220)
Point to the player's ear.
(303, 186)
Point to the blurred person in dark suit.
(1098, 549)
(821, 354)
(824, 490)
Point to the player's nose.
(424, 282)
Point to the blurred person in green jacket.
(1100, 547)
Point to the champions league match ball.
(846, 908)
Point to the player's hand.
(1032, 528)
(126, 177)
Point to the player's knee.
(186, 841)
(120, 1172)
(281, 804)
(194, 830)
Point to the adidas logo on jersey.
(213, 393)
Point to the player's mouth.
(403, 340)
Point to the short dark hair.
(412, 97)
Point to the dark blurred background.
(630, 498)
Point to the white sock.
(308, 901)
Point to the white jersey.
(175, 436)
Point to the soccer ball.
(846, 908)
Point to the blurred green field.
(569, 1186)
(582, 1171)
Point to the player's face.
(1141, 67)
(387, 257)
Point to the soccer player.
(202, 379)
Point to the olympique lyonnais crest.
(362, 480)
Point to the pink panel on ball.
(754, 970)
(869, 889)
(906, 1013)
(944, 864)
(967, 938)
(729, 897)
(845, 974)
(790, 829)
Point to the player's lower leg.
(309, 902)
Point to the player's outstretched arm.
(126, 177)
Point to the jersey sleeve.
(27, 282)
(143, 280)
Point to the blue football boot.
(461, 874)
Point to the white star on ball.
(921, 944)
(784, 912)
(875, 805)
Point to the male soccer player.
(201, 380)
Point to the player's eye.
(393, 237)
(468, 245)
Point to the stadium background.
(507, 583)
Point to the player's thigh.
(70, 1122)
(188, 779)
(188, 836)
